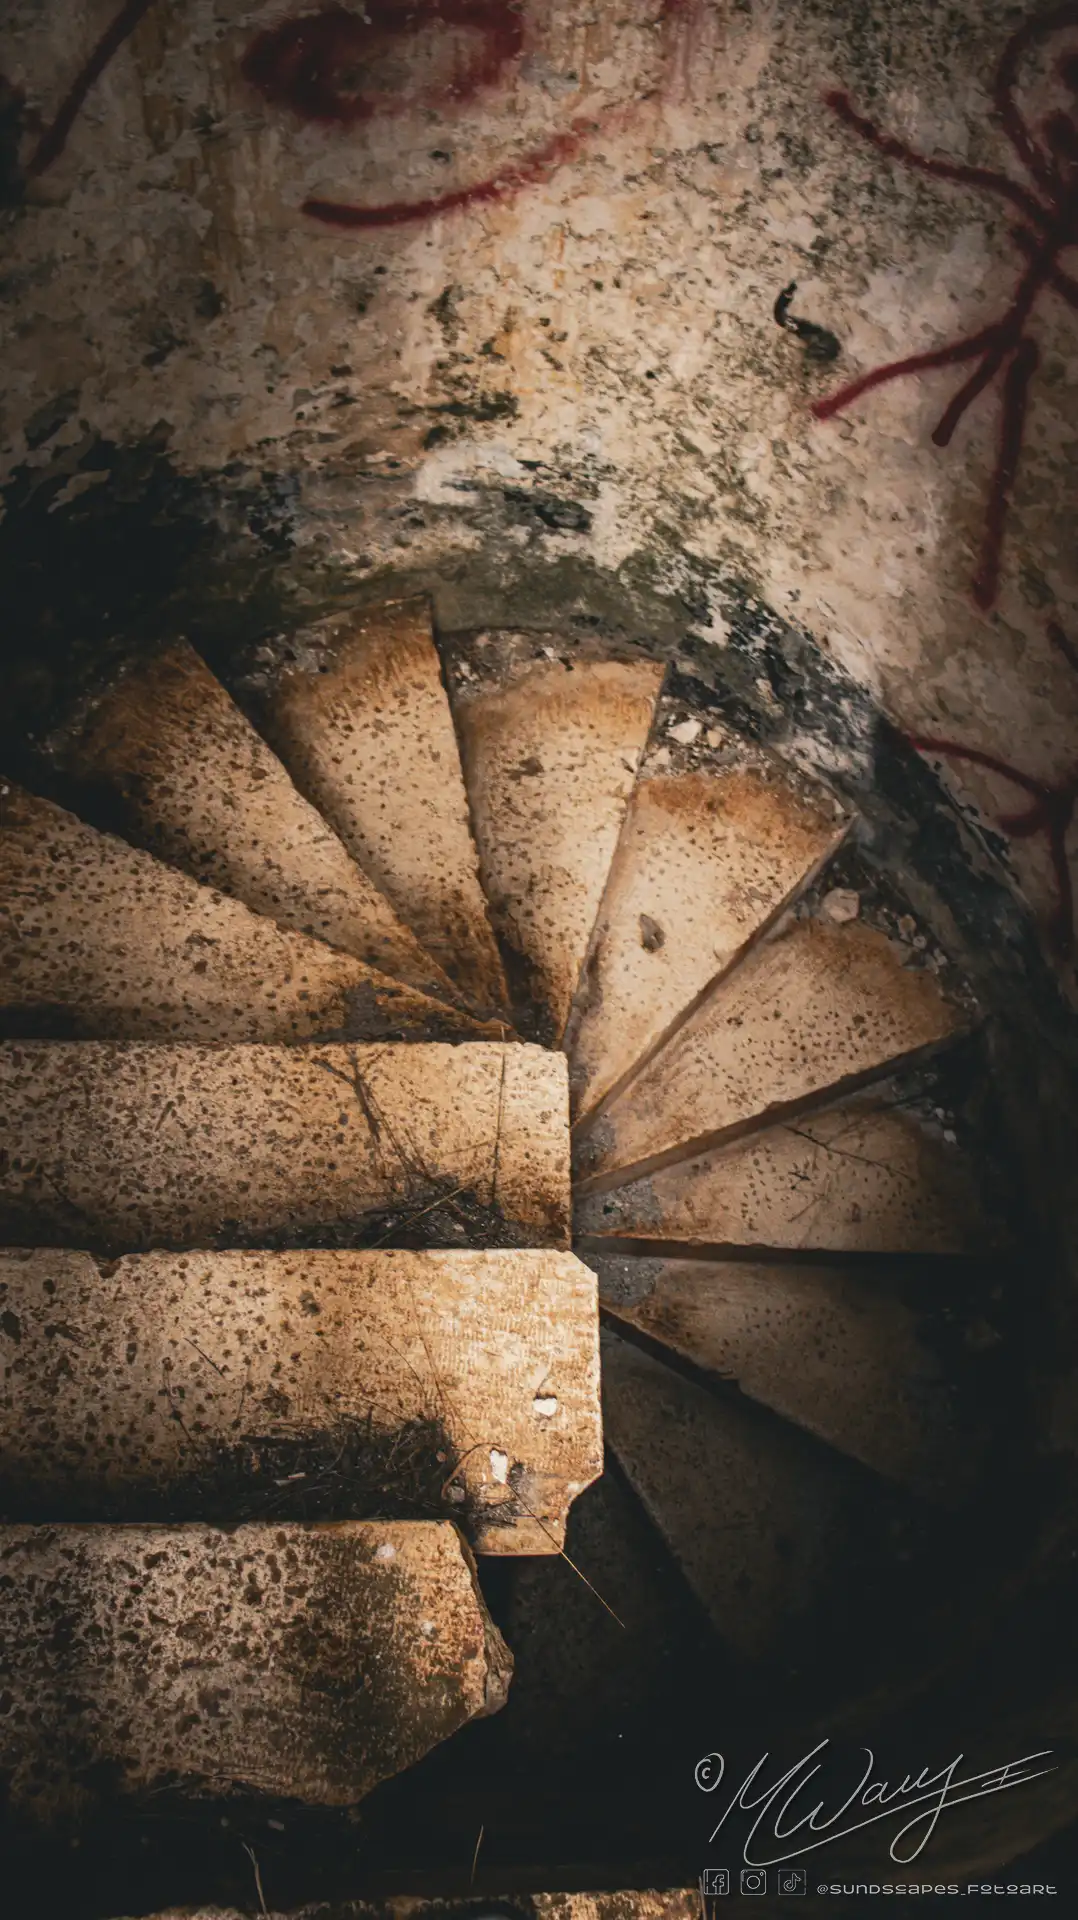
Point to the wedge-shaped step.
(860, 1177)
(133, 1145)
(705, 861)
(102, 940)
(837, 1352)
(196, 784)
(193, 1384)
(365, 726)
(550, 757)
(310, 1662)
(814, 1009)
(747, 1507)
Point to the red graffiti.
(1049, 223)
(322, 69)
(324, 66)
(1051, 810)
(54, 139)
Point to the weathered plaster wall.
(577, 372)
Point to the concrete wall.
(539, 345)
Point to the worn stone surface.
(813, 1008)
(705, 861)
(864, 1176)
(309, 1662)
(751, 1513)
(631, 1905)
(102, 940)
(363, 721)
(138, 1145)
(550, 757)
(836, 1351)
(196, 784)
(173, 1371)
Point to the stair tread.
(190, 1379)
(705, 860)
(751, 1512)
(810, 1010)
(310, 1662)
(836, 1351)
(364, 724)
(131, 1145)
(858, 1177)
(550, 756)
(104, 941)
(200, 787)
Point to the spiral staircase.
(417, 1064)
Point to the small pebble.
(545, 1404)
(685, 732)
(840, 904)
(386, 1551)
(499, 1466)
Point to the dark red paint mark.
(1003, 348)
(322, 66)
(313, 66)
(54, 139)
(1051, 810)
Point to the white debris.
(842, 903)
(545, 1404)
(386, 1551)
(685, 732)
(499, 1466)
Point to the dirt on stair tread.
(705, 860)
(362, 719)
(550, 753)
(190, 778)
(811, 1011)
(310, 1662)
(751, 1511)
(868, 1175)
(100, 940)
(221, 1386)
(681, 1904)
(123, 1146)
(836, 1351)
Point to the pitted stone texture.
(310, 1662)
(704, 862)
(860, 1177)
(748, 1508)
(170, 1365)
(835, 1351)
(364, 724)
(200, 787)
(677, 1905)
(104, 941)
(550, 758)
(811, 1009)
(134, 1145)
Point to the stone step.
(811, 1011)
(837, 1351)
(864, 1176)
(363, 721)
(103, 941)
(308, 1662)
(706, 860)
(550, 756)
(195, 783)
(678, 1904)
(132, 1145)
(196, 1385)
(751, 1510)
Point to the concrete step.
(751, 1510)
(195, 783)
(103, 941)
(837, 1351)
(132, 1145)
(864, 1176)
(363, 721)
(705, 862)
(550, 756)
(814, 1010)
(225, 1385)
(310, 1662)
